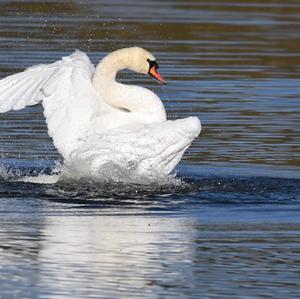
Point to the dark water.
(231, 227)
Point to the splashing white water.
(109, 173)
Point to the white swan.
(96, 122)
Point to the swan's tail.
(146, 150)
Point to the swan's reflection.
(106, 255)
(54, 251)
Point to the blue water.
(205, 236)
(227, 225)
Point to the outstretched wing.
(24, 89)
(67, 95)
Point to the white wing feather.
(24, 89)
(67, 95)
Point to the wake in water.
(55, 183)
(52, 181)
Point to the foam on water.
(51, 173)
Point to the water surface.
(230, 228)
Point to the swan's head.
(142, 61)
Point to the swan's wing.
(67, 95)
(25, 89)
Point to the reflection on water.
(145, 256)
(234, 64)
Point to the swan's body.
(96, 122)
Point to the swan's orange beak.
(155, 74)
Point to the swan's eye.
(152, 63)
(153, 67)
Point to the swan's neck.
(136, 99)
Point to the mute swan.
(97, 123)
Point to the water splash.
(50, 172)
(112, 188)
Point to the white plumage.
(97, 123)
